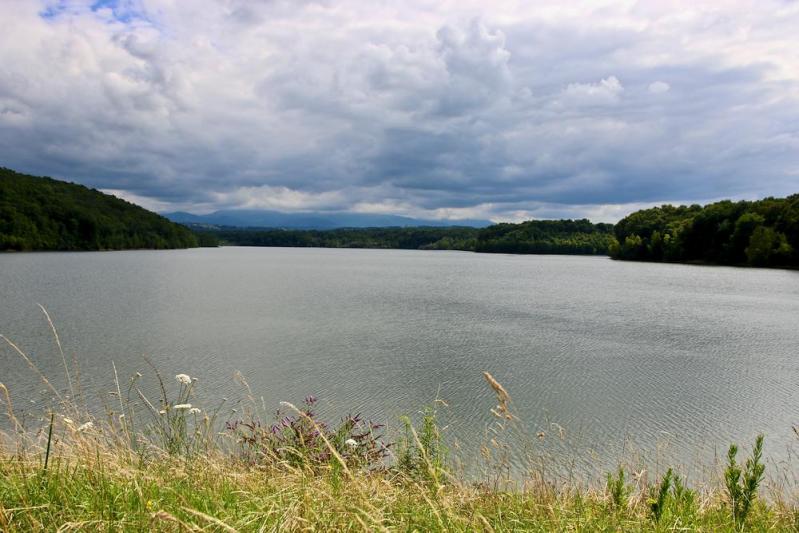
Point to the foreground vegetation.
(47, 214)
(93, 488)
(168, 464)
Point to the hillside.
(755, 233)
(46, 214)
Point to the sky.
(500, 110)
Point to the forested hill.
(546, 237)
(758, 233)
(46, 214)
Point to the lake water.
(673, 360)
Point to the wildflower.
(194, 411)
(183, 379)
(182, 406)
(162, 412)
(85, 427)
(352, 443)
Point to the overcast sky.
(436, 109)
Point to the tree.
(767, 247)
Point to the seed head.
(503, 409)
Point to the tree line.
(536, 236)
(755, 233)
(573, 237)
(762, 233)
(46, 214)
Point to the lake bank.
(138, 471)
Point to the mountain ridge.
(258, 218)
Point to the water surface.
(622, 355)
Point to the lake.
(674, 361)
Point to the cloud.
(424, 109)
(607, 91)
(659, 87)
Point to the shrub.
(422, 454)
(742, 485)
(618, 490)
(301, 439)
(659, 495)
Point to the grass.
(164, 464)
(91, 487)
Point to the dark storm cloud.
(516, 111)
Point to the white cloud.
(607, 91)
(281, 199)
(659, 87)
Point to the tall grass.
(166, 463)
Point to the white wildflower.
(182, 406)
(183, 379)
(352, 443)
(194, 411)
(162, 412)
(85, 427)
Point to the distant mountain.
(252, 218)
(46, 214)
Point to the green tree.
(767, 247)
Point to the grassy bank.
(100, 489)
(74, 474)
(165, 463)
